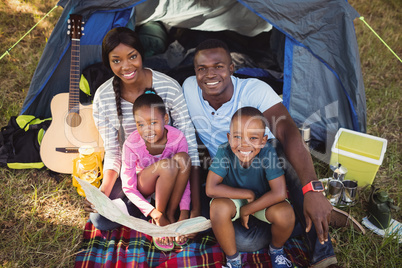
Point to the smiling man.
(213, 95)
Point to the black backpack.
(20, 141)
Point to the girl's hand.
(158, 218)
(88, 207)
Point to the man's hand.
(317, 210)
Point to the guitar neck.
(74, 93)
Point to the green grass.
(41, 220)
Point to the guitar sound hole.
(73, 119)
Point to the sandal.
(182, 244)
(163, 247)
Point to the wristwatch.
(315, 186)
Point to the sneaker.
(233, 264)
(279, 260)
(340, 218)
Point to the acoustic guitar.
(72, 123)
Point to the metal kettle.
(379, 208)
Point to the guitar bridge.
(67, 150)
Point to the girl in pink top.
(155, 161)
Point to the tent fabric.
(203, 15)
(323, 84)
(325, 29)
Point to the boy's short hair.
(212, 43)
(250, 112)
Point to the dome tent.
(322, 80)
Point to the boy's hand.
(251, 196)
(244, 218)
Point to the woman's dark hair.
(149, 99)
(115, 37)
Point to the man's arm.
(317, 209)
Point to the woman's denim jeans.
(102, 223)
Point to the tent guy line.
(375, 33)
(7, 52)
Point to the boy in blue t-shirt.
(246, 178)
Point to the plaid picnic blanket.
(124, 247)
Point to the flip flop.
(182, 244)
(163, 247)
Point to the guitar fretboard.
(74, 94)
